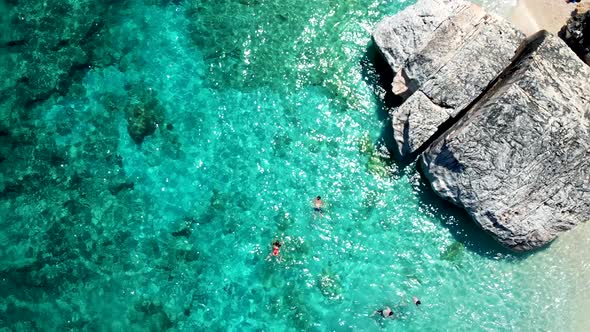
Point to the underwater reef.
(49, 45)
(50, 171)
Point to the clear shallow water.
(270, 104)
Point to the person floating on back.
(318, 204)
(276, 251)
(385, 313)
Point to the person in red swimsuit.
(276, 251)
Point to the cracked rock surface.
(466, 51)
(519, 160)
(399, 37)
(501, 124)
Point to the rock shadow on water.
(379, 75)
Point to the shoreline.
(573, 249)
(531, 16)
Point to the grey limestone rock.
(467, 51)
(415, 121)
(399, 37)
(519, 159)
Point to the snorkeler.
(318, 204)
(276, 251)
(385, 313)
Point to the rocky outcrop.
(399, 37)
(504, 130)
(576, 34)
(519, 161)
(436, 78)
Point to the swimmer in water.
(318, 204)
(416, 301)
(385, 313)
(276, 251)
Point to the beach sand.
(531, 16)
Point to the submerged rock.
(151, 314)
(454, 252)
(376, 164)
(117, 188)
(519, 160)
(144, 113)
(284, 221)
(330, 285)
(187, 229)
(47, 46)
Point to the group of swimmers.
(318, 205)
(388, 313)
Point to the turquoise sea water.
(260, 106)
